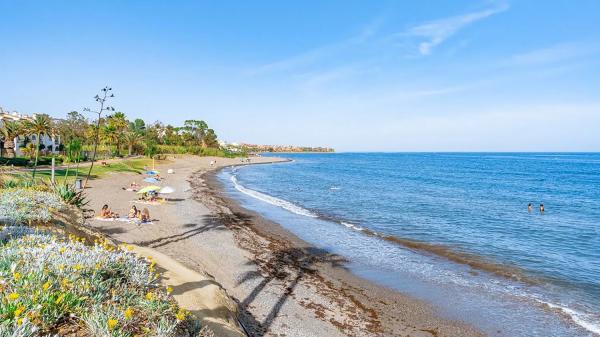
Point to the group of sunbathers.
(139, 216)
(135, 213)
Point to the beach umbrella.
(149, 189)
(151, 180)
(166, 190)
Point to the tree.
(195, 130)
(132, 139)
(119, 122)
(40, 125)
(9, 131)
(73, 151)
(138, 126)
(101, 100)
(110, 135)
(73, 127)
(210, 139)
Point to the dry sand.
(283, 286)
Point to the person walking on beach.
(541, 208)
(529, 207)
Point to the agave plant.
(70, 196)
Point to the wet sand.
(284, 286)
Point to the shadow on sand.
(209, 223)
(286, 267)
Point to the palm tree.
(110, 135)
(73, 152)
(120, 123)
(132, 138)
(9, 131)
(39, 125)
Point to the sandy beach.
(282, 285)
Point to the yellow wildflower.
(78, 267)
(112, 323)
(129, 247)
(46, 285)
(19, 311)
(62, 250)
(128, 313)
(16, 275)
(19, 321)
(149, 296)
(97, 266)
(60, 299)
(13, 296)
(180, 315)
(169, 290)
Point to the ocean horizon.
(451, 228)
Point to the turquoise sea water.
(452, 229)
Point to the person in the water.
(529, 207)
(542, 208)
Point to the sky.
(425, 75)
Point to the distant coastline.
(284, 148)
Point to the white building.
(51, 143)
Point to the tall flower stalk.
(101, 99)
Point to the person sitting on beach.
(132, 212)
(145, 215)
(542, 208)
(106, 213)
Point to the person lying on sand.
(133, 187)
(106, 213)
(132, 212)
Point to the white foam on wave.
(353, 226)
(272, 200)
(577, 317)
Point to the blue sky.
(355, 75)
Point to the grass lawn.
(127, 165)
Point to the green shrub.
(96, 291)
(27, 206)
(70, 196)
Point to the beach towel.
(151, 203)
(112, 219)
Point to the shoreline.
(283, 286)
(383, 304)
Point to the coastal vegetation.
(54, 283)
(109, 133)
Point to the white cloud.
(311, 56)
(553, 54)
(437, 31)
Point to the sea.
(451, 229)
